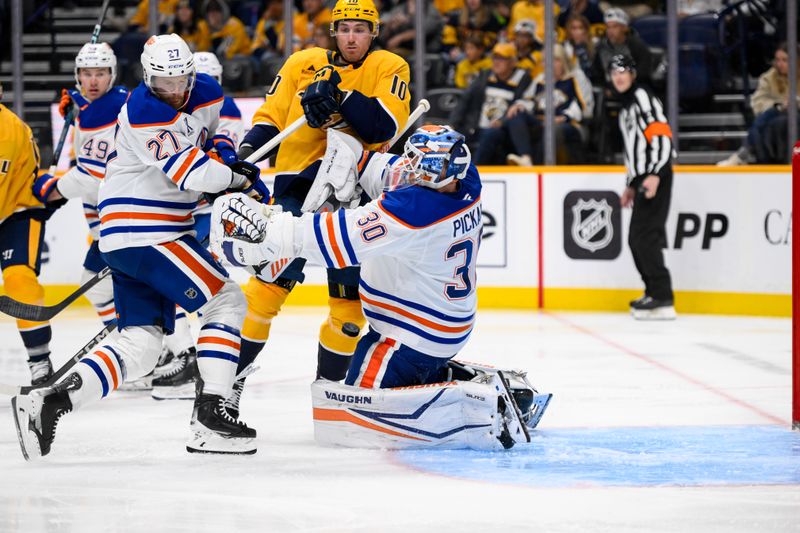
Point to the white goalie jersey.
(93, 141)
(159, 168)
(418, 285)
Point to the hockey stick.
(70, 116)
(275, 141)
(40, 313)
(13, 390)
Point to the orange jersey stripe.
(145, 216)
(213, 283)
(335, 415)
(186, 164)
(415, 318)
(107, 312)
(212, 102)
(332, 239)
(220, 340)
(110, 365)
(375, 363)
(177, 116)
(657, 128)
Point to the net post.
(795, 290)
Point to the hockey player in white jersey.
(98, 103)
(177, 375)
(153, 181)
(417, 246)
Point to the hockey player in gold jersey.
(22, 220)
(364, 93)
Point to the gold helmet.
(355, 10)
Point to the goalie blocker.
(482, 413)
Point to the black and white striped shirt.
(646, 136)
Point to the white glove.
(338, 173)
(247, 232)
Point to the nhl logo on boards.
(592, 227)
(190, 293)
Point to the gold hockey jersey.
(19, 162)
(375, 103)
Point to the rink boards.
(556, 238)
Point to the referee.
(647, 139)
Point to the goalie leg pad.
(457, 414)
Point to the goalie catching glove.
(248, 233)
(338, 173)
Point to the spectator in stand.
(573, 101)
(579, 44)
(480, 112)
(534, 10)
(191, 27)
(769, 103)
(619, 40)
(473, 63)
(397, 29)
(268, 36)
(448, 7)
(529, 49)
(140, 21)
(228, 34)
(475, 19)
(588, 9)
(314, 14)
(231, 44)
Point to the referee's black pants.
(647, 238)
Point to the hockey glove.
(321, 99)
(338, 173)
(68, 98)
(225, 149)
(248, 233)
(246, 177)
(44, 186)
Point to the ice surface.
(678, 426)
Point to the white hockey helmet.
(96, 55)
(207, 63)
(167, 56)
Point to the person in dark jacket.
(620, 40)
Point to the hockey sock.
(218, 349)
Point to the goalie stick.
(13, 390)
(270, 271)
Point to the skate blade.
(540, 403)
(137, 385)
(182, 392)
(209, 442)
(28, 442)
(516, 427)
(661, 313)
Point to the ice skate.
(652, 309)
(214, 430)
(36, 416)
(178, 379)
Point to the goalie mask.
(436, 155)
(96, 55)
(169, 70)
(207, 63)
